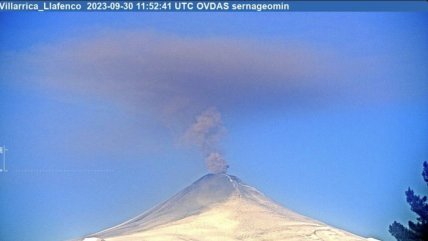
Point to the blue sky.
(326, 113)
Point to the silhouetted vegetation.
(416, 231)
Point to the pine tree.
(417, 231)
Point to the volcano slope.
(220, 207)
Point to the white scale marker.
(3, 151)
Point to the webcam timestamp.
(130, 6)
(166, 6)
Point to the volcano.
(220, 207)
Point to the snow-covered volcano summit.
(220, 207)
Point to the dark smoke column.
(206, 133)
(216, 163)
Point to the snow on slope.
(220, 207)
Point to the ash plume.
(206, 133)
(161, 80)
(216, 163)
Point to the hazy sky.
(326, 113)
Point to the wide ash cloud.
(172, 79)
